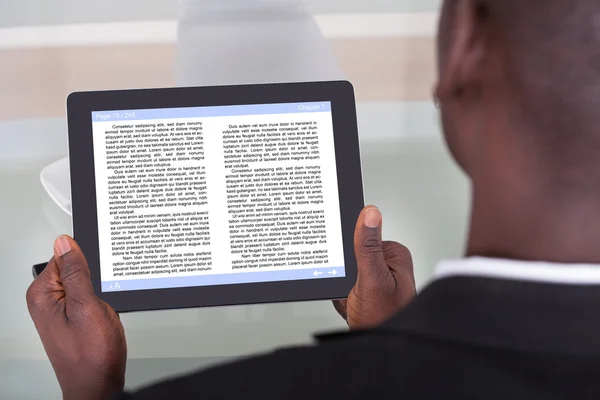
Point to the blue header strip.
(213, 111)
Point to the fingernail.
(62, 246)
(372, 218)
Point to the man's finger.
(41, 292)
(368, 247)
(398, 259)
(73, 269)
(49, 274)
(341, 306)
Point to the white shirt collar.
(532, 271)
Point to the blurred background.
(51, 48)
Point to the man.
(519, 95)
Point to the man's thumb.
(368, 247)
(72, 269)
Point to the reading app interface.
(217, 195)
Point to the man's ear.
(462, 44)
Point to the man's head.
(519, 90)
(529, 67)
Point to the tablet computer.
(212, 196)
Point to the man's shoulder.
(475, 338)
(366, 364)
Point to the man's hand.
(385, 282)
(82, 335)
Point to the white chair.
(225, 42)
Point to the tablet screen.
(203, 196)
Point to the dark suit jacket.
(462, 338)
